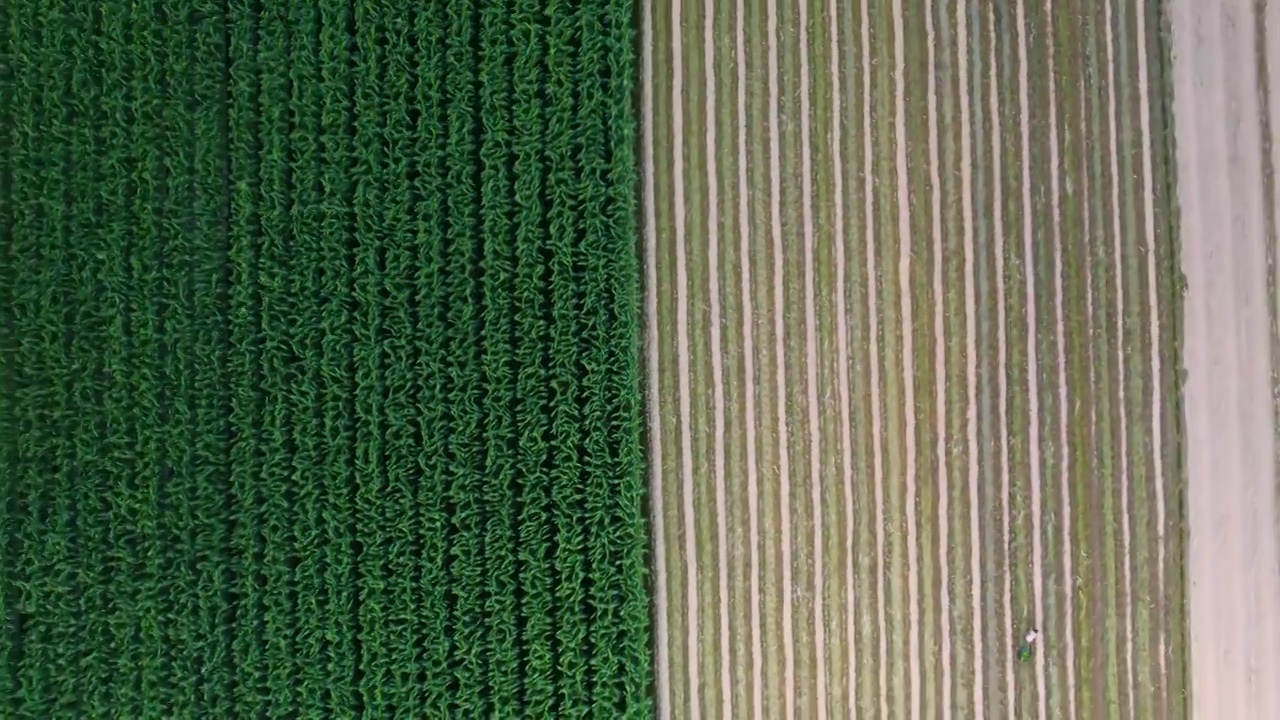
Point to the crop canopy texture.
(319, 387)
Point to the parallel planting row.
(913, 355)
(319, 385)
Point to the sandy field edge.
(1234, 568)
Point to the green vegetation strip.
(319, 333)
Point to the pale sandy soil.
(1230, 317)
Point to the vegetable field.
(914, 359)
(320, 361)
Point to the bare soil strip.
(755, 631)
(1153, 303)
(908, 359)
(662, 637)
(834, 604)
(780, 360)
(873, 313)
(1002, 356)
(1094, 518)
(1118, 263)
(736, 390)
(843, 357)
(811, 355)
(682, 358)
(1102, 180)
(1233, 550)
(940, 365)
(971, 355)
(1033, 374)
(1064, 479)
(717, 358)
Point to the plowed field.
(912, 331)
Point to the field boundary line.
(662, 637)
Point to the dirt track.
(1225, 89)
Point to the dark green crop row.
(319, 385)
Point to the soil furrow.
(762, 224)
(913, 655)
(1136, 321)
(1067, 576)
(738, 389)
(940, 373)
(1158, 480)
(834, 71)
(788, 690)
(662, 658)
(687, 510)
(701, 502)
(952, 263)
(790, 258)
(971, 353)
(714, 213)
(829, 582)
(1121, 406)
(749, 372)
(863, 394)
(1000, 368)
(873, 360)
(956, 259)
(1174, 493)
(1029, 256)
(811, 366)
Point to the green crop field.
(319, 366)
